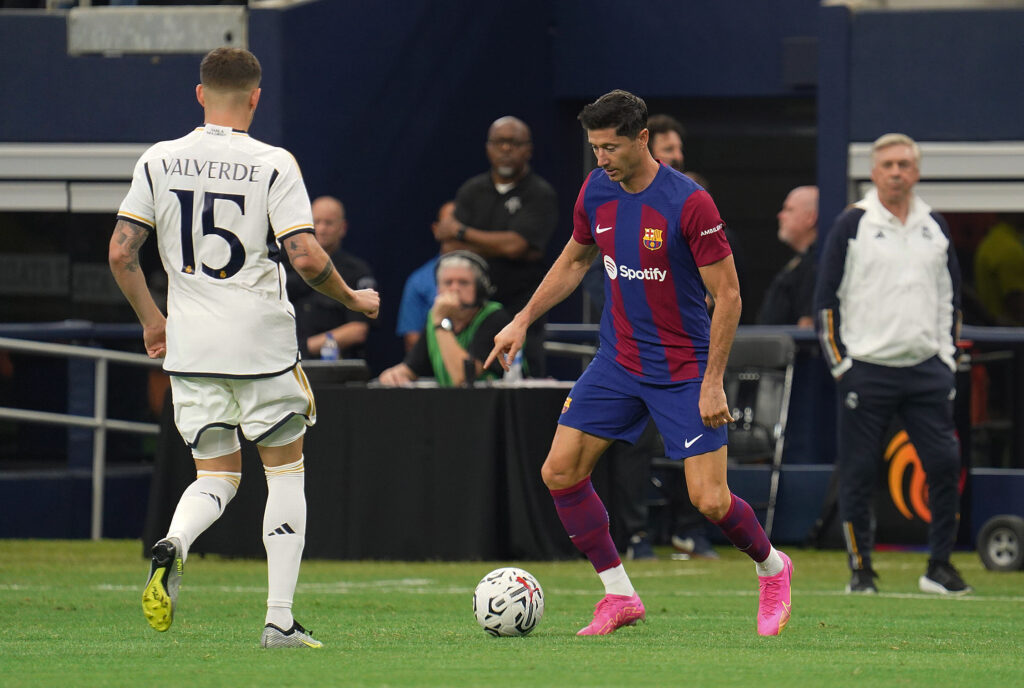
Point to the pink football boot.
(613, 612)
(775, 599)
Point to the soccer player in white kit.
(222, 205)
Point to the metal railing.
(98, 422)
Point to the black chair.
(758, 383)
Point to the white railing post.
(99, 446)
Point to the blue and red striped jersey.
(655, 322)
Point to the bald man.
(789, 299)
(507, 215)
(317, 316)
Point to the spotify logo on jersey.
(610, 267)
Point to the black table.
(412, 474)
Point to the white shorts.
(259, 406)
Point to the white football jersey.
(221, 203)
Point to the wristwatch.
(445, 324)
(460, 233)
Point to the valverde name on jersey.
(212, 169)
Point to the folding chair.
(758, 383)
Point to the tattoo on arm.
(131, 237)
(323, 276)
(295, 249)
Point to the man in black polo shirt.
(507, 215)
(316, 315)
(790, 297)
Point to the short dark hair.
(662, 124)
(619, 110)
(230, 69)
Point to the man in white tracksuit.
(887, 305)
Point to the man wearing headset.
(459, 330)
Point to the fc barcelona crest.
(652, 238)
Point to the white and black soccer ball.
(508, 602)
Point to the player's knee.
(713, 504)
(557, 477)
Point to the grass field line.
(425, 586)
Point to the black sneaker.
(640, 548)
(862, 582)
(694, 545)
(943, 579)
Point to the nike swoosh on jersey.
(599, 229)
(689, 443)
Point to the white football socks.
(284, 536)
(201, 504)
(616, 582)
(771, 566)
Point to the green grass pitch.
(71, 617)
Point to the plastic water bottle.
(329, 349)
(515, 370)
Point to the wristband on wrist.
(460, 233)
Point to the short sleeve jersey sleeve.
(581, 231)
(703, 228)
(287, 200)
(138, 205)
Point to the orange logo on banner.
(902, 457)
(652, 238)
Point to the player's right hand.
(366, 301)
(507, 344)
(155, 339)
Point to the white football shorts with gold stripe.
(263, 408)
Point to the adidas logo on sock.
(283, 529)
(214, 497)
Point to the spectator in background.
(317, 315)
(420, 289)
(507, 215)
(888, 302)
(666, 142)
(999, 270)
(459, 330)
(790, 297)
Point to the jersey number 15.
(186, 198)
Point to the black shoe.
(862, 582)
(943, 579)
(640, 548)
(694, 545)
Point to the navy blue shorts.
(611, 403)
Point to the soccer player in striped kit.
(661, 355)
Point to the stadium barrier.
(98, 422)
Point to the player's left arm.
(316, 268)
(722, 283)
(123, 256)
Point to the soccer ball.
(509, 602)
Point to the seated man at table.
(459, 329)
